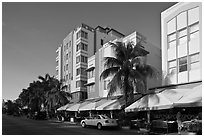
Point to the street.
(22, 126)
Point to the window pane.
(193, 15)
(172, 44)
(182, 40)
(182, 20)
(171, 26)
(195, 65)
(182, 32)
(183, 68)
(172, 63)
(194, 27)
(182, 61)
(194, 35)
(194, 58)
(172, 70)
(172, 37)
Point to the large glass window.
(182, 64)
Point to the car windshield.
(105, 117)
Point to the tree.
(129, 70)
(56, 96)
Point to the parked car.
(99, 121)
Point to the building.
(181, 31)
(73, 53)
(98, 88)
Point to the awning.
(65, 106)
(192, 98)
(90, 69)
(92, 105)
(76, 106)
(157, 101)
(116, 105)
(109, 102)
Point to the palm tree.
(56, 97)
(129, 70)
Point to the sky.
(31, 33)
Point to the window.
(78, 71)
(182, 33)
(77, 84)
(194, 31)
(182, 40)
(183, 64)
(101, 42)
(80, 83)
(84, 59)
(78, 47)
(66, 77)
(57, 62)
(172, 67)
(84, 34)
(84, 46)
(172, 40)
(194, 61)
(78, 34)
(77, 59)
(83, 71)
(66, 66)
(91, 74)
(69, 43)
(67, 56)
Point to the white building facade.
(73, 53)
(97, 87)
(181, 31)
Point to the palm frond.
(115, 83)
(109, 71)
(120, 50)
(111, 61)
(148, 71)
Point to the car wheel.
(99, 126)
(83, 124)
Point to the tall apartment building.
(181, 29)
(97, 87)
(73, 53)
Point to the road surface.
(22, 126)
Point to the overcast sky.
(31, 32)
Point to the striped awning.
(192, 98)
(103, 106)
(93, 105)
